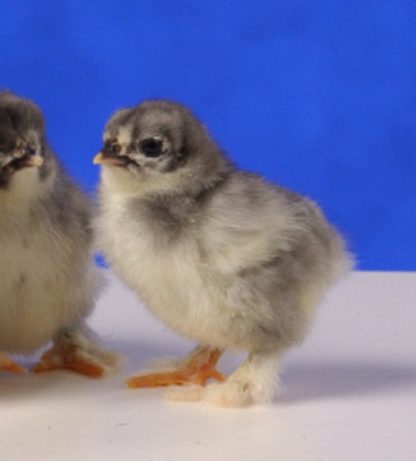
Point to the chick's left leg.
(197, 368)
(7, 364)
(74, 350)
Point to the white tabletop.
(349, 392)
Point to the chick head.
(22, 139)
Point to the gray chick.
(48, 281)
(220, 255)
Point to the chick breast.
(47, 279)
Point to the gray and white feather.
(48, 281)
(219, 255)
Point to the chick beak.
(102, 159)
(17, 161)
(98, 159)
(35, 161)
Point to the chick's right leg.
(197, 368)
(73, 349)
(7, 364)
(255, 381)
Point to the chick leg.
(7, 364)
(74, 350)
(197, 368)
(255, 381)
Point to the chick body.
(224, 279)
(47, 277)
(220, 255)
(48, 281)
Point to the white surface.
(349, 393)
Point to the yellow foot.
(197, 369)
(7, 364)
(71, 357)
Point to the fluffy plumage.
(219, 255)
(48, 281)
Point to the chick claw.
(7, 364)
(69, 358)
(192, 372)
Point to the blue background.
(317, 95)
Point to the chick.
(48, 281)
(220, 255)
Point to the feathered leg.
(255, 381)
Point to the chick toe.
(91, 361)
(198, 368)
(185, 394)
(7, 364)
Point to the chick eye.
(151, 147)
(30, 151)
(112, 148)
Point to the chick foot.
(77, 353)
(7, 364)
(254, 382)
(197, 368)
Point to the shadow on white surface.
(302, 382)
(321, 381)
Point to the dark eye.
(112, 148)
(151, 147)
(30, 151)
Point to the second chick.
(48, 281)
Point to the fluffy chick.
(48, 281)
(219, 255)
